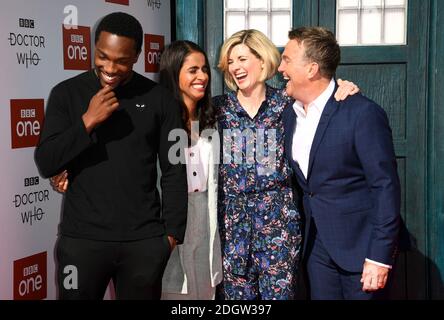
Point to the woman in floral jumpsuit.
(258, 218)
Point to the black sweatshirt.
(112, 194)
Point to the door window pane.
(272, 17)
(371, 3)
(371, 31)
(258, 21)
(257, 4)
(348, 3)
(394, 35)
(280, 4)
(234, 21)
(401, 3)
(348, 27)
(280, 25)
(235, 4)
(371, 22)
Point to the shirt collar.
(318, 104)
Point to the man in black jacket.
(107, 127)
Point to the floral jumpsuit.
(258, 218)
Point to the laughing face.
(114, 57)
(193, 78)
(244, 67)
(295, 68)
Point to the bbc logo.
(27, 117)
(77, 48)
(33, 181)
(27, 113)
(26, 23)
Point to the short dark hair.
(171, 62)
(320, 46)
(121, 24)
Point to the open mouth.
(110, 80)
(199, 86)
(286, 80)
(241, 76)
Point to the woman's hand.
(345, 89)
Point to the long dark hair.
(171, 62)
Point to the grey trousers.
(193, 255)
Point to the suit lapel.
(290, 121)
(290, 126)
(329, 110)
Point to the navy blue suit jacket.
(352, 191)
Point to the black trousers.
(85, 268)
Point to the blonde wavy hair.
(259, 45)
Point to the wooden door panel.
(390, 79)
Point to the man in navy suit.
(343, 158)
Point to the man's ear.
(137, 57)
(313, 70)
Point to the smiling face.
(244, 67)
(295, 68)
(114, 57)
(193, 78)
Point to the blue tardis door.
(396, 77)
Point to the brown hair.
(320, 46)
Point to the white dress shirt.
(306, 125)
(197, 159)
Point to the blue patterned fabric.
(257, 212)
